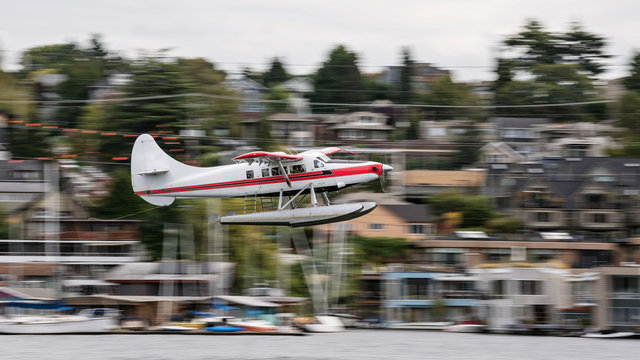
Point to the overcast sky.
(459, 35)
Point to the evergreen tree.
(276, 74)
(632, 82)
(339, 79)
(405, 91)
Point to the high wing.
(333, 150)
(268, 155)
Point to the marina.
(350, 344)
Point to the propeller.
(383, 177)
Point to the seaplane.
(260, 177)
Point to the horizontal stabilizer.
(153, 171)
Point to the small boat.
(86, 321)
(223, 328)
(609, 334)
(324, 324)
(470, 326)
(252, 324)
(426, 325)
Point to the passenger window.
(265, 172)
(249, 174)
(297, 169)
(275, 171)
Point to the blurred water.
(354, 344)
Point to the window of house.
(376, 226)
(416, 229)
(530, 287)
(249, 174)
(599, 218)
(541, 255)
(500, 254)
(498, 287)
(265, 172)
(542, 217)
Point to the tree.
(476, 210)
(80, 66)
(121, 201)
(339, 79)
(151, 76)
(276, 73)
(552, 84)
(534, 46)
(444, 91)
(380, 250)
(405, 91)
(632, 82)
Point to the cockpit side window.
(317, 163)
(275, 171)
(265, 172)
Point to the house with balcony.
(419, 296)
(581, 139)
(592, 198)
(520, 295)
(470, 249)
(359, 127)
(520, 134)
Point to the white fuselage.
(260, 178)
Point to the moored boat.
(608, 334)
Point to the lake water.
(352, 344)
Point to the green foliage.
(339, 79)
(629, 112)
(405, 90)
(379, 250)
(150, 76)
(552, 84)
(562, 67)
(504, 225)
(632, 82)
(376, 90)
(122, 202)
(468, 144)
(263, 135)
(276, 74)
(476, 210)
(82, 67)
(280, 95)
(444, 91)
(537, 46)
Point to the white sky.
(459, 35)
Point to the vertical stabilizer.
(150, 169)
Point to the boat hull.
(58, 326)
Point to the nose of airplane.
(386, 167)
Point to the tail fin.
(151, 168)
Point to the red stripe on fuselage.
(356, 170)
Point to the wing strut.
(284, 173)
